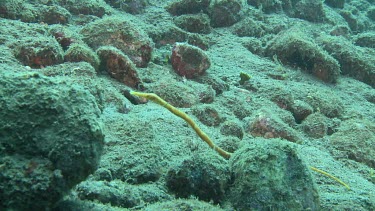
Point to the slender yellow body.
(330, 176)
(183, 115)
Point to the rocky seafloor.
(286, 87)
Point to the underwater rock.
(122, 34)
(168, 36)
(249, 28)
(282, 97)
(269, 6)
(371, 13)
(208, 115)
(187, 7)
(300, 110)
(270, 173)
(37, 52)
(185, 204)
(354, 140)
(326, 103)
(353, 22)
(229, 143)
(85, 7)
(82, 53)
(58, 12)
(268, 125)
(355, 61)
(64, 36)
(218, 85)
(194, 23)
(32, 44)
(54, 15)
(232, 128)
(171, 34)
(297, 49)
(225, 12)
(199, 41)
(365, 40)
(120, 194)
(335, 3)
(19, 10)
(204, 176)
(310, 10)
(189, 61)
(221, 12)
(118, 66)
(133, 156)
(129, 6)
(315, 125)
(170, 90)
(340, 30)
(50, 139)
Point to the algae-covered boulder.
(355, 140)
(225, 13)
(50, 139)
(355, 61)
(122, 34)
(203, 176)
(183, 204)
(268, 174)
(299, 50)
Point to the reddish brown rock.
(267, 125)
(123, 35)
(189, 61)
(64, 40)
(118, 66)
(37, 52)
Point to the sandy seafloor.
(145, 143)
